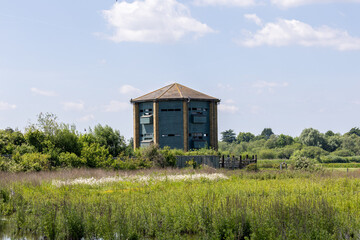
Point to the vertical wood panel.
(156, 122)
(136, 125)
(186, 126)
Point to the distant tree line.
(49, 145)
(311, 143)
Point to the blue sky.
(284, 64)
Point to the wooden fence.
(229, 162)
(211, 161)
(233, 162)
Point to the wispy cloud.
(229, 3)
(297, 3)
(116, 106)
(43, 92)
(128, 89)
(73, 106)
(6, 106)
(254, 18)
(285, 32)
(269, 86)
(152, 21)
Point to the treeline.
(49, 145)
(325, 147)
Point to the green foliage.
(252, 167)
(312, 137)
(131, 163)
(343, 153)
(355, 131)
(267, 154)
(352, 143)
(248, 205)
(96, 156)
(34, 162)
(245, 137)
(109, 138)
(71, 160)
(228, 136)
(66, 140)
(266, 133)
(303, 163)
(309, 152)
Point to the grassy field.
(181, 204)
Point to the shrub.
(71, 160)
(169, 157)
(95, 155)
(310, 152)
(343, 153)
(303, 163)
(252, 167)
(267, 154)
(128, 163)
(35, 162)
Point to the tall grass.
(265, 205)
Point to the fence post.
(256, 159)
(223, 161)
(240, 165)
(228, 161)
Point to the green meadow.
(180, 204)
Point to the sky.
(281, 64)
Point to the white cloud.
(263, 85)
(86, 118)
(152, 21)
(292, 32)
(228, 108)
(296, 3)
(73, 106)
(229, 3)
(254, 18)
(116, 106)
(128, 89)
(43, 92)
(6, 106)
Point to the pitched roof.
(173, 92)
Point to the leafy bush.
(128, 163)
(343, 153)
(267, 154)
(303, 163)
(95, 156)
(309, 152)
(35, 162)
(71, 160)
(252, 167)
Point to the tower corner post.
(136, 125)
(186, 125)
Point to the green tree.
(245, 137)
(355, 131)
(266, 133)
(312, 137)
(284, 140)
(66, 140)
(329, 133)
(228, 136)
(109, 138)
